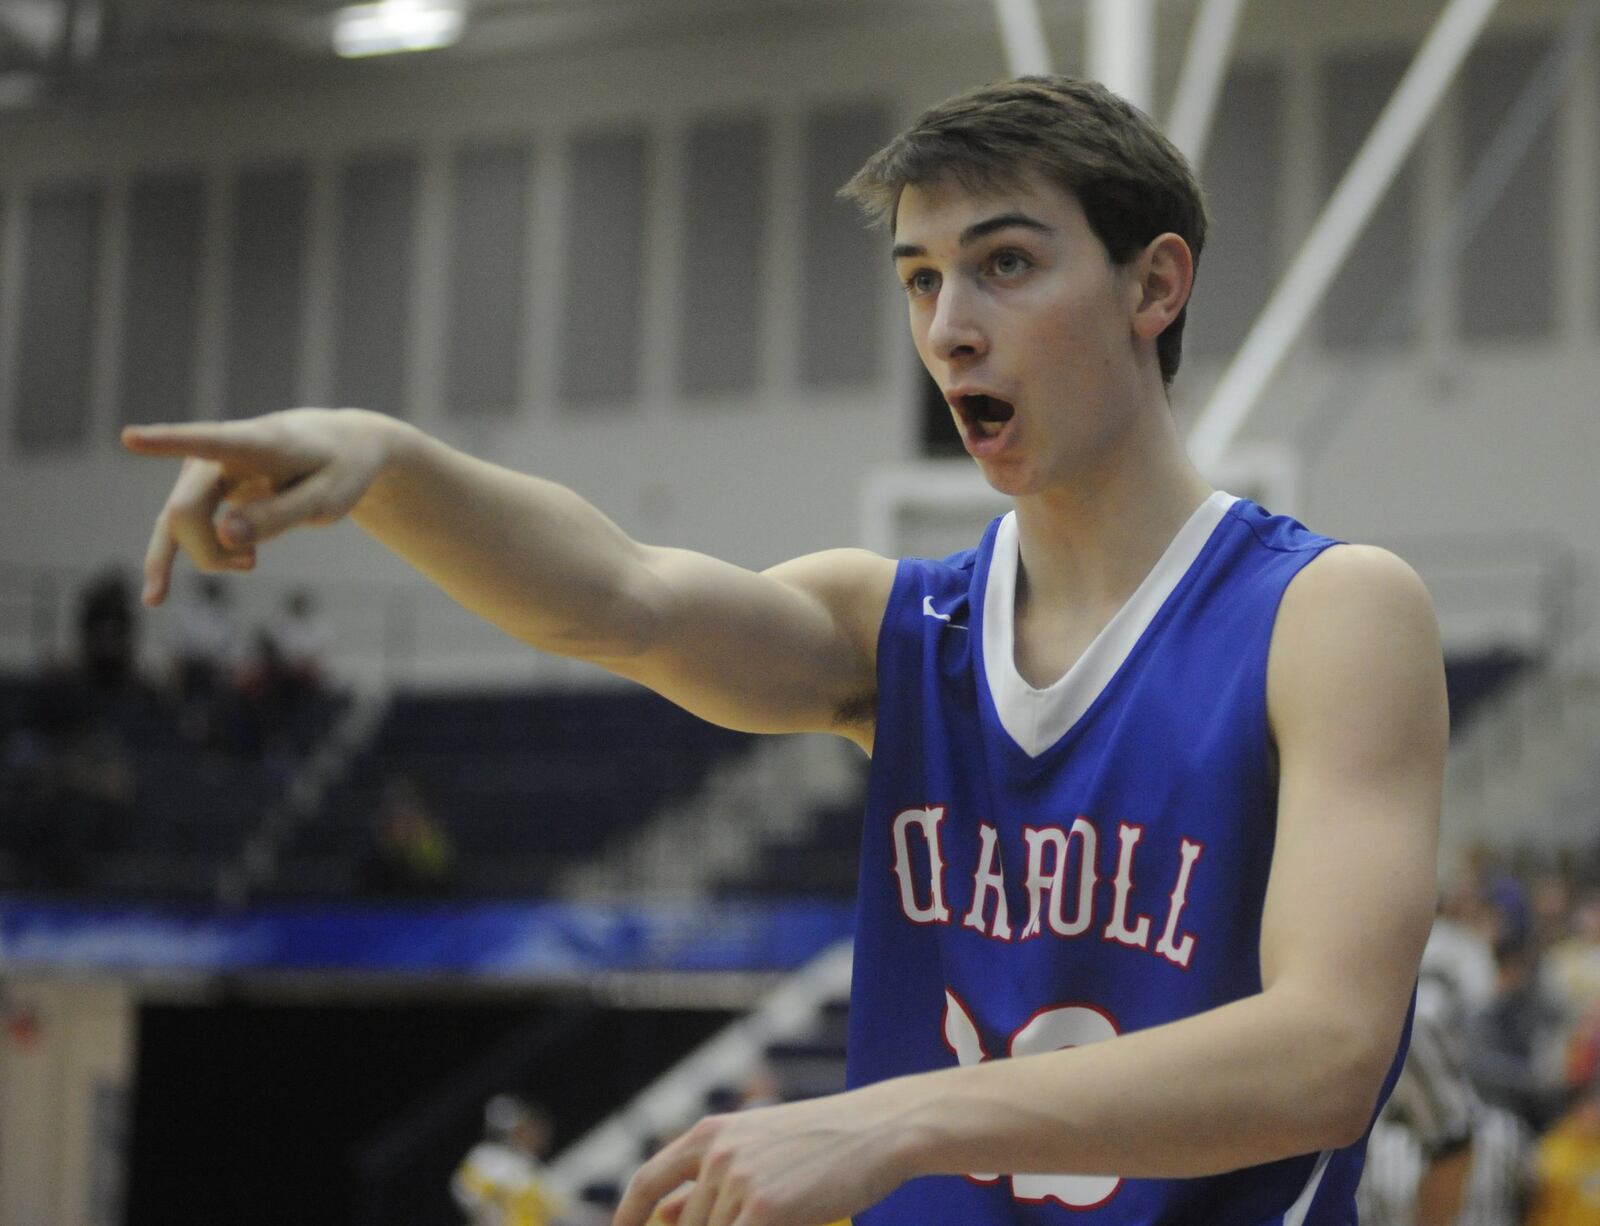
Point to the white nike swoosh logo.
(929, 611)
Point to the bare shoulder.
(1357, 644)
(1356, 590)
(852, 586)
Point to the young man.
(1156, 775)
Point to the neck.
(1087, 543)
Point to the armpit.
(858, 714)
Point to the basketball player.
(1149, 851)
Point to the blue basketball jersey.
(1048, 868)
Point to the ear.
(1165, 275)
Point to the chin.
(1012, 480)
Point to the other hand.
(801, 1164)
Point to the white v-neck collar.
(1037, 719)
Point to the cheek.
(1065, 334)
(919, 331)
(1090, 328)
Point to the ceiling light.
(397, 25)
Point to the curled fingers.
(186, 523)
(662, 1174)
(323, 497)
(671, 1209)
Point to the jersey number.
(1051, 1029)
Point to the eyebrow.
(977, 230)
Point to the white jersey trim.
(1302, 1205)
(1037, 719)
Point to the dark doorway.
(260, 1113)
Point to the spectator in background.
(304, 639)
(501, 1181)
(1500, 1184)
(1550, 895)
(1459, 952)
(411, 851)
(66, 783)
(1420, 1154)
(1572, 966)
(1533, 1044)
(1516, 1048)
(108, 631)
(1437, 1156)
(206, 649)
(1513, 922)
(268, 702)
(1464, 930)
(1567, 1168)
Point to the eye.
(923, 281)
(1008, 262)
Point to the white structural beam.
(1205, 66)
(678, 1096)
(1121, 48)
(1022, 34)
(1341, 222)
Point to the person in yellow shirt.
(501, 1181)
(1568, 1168)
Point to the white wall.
(754, 482)
(1449, 443)
(66, 1072)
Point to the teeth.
(991, 428)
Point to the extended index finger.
(228, 441)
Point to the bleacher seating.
(1473, 680)
(186, 812)
(525, 784)
(822, 863)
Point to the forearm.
(527, 554)
(1250, 1082)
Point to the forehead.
(928, 213)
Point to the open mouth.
(984, 414)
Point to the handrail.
(387, 634)
(1525, 585)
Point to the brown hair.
(1131, 181)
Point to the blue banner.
(500, 940)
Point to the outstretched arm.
(1356, 700)
(791, 649)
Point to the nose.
(955, 333)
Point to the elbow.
(1343, 1127)
(1348, 1081)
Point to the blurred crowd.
(70, 769)
(244, 692)
(1496, 1118)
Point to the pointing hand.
(245, 482)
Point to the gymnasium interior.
(302, 867)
